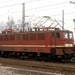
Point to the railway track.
(39, 65)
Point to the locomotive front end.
(68, 45)
(62, 44)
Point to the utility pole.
(74, 25)
(63, 19)
(23, 16)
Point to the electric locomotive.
(38, 43)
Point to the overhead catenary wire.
(33, 8)
(48, 5)
(36, 8)
(10, 5)
(49, 9)
(70, 26)
(30, 9)
(57, 4)
(16, 3)
(6, 1)
(50, 15)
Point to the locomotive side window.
(41, 36)
(1, 37)
(70, 35)
(53, 35)
(18, 36)
(33, 36)
(57, 35)
(6, 37)
(25, 37)
(65, 35)
(12, 37)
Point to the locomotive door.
(53, 39)
(53, 43)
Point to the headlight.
(68, 45)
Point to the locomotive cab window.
(70, 35)
(66, 35)
(57, 35)
(53, 35)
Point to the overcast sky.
(52, 8)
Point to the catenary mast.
(23, 16)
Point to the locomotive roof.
(35, 31)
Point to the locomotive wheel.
(53, 51)
(67, 56)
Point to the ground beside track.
(6, 70)
(69, 69)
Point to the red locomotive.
(45, 44)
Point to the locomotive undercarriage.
(38, 56)
(28, 55)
